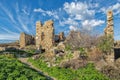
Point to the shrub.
(106, 44)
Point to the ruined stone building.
(60, 37)
(26, 39)
(44, 35)
(109, 33)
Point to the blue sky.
(18, 16)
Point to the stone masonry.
(61, 36)
(26, 39)
(45, 35)
(109, 33)
(109, 29)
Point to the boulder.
(61, 46)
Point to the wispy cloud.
(21, 21)
(82, 15)
(7, 30)
(115, 8)
(10, 16)
(90, 24)
(9, 37)
(79, 10)
(47, 12)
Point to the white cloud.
(24, 19)
(7, 30)
(9, 37)
(8, 34)
(46, 12)
(79, 10)
(25, 12)
(115, 8)
(69, 21)
(90, 24)
(38, 10)
(81, 14)
(22, 23)
(10, 16)
(73, 28)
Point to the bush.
(106, 44)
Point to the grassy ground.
(12, 69)
(86, 73)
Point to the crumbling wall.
(26, 39)
(60, 37)
(45, 35)
(117, 44)
(109, 28)
(109, 33)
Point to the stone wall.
(109, 33)
(109, 28)
(61, 36)
(117, 44)
(45, 35)
(26, 39)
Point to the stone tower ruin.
(44, 35)
(109, 33)
(109, 28)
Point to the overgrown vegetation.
(12, 69)
(106, 44)
(86, 73)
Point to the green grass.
(12, 69)
(86, 73)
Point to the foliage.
(82, 52)
(12, 69)
(68, 55)
(67, 47)
(86, 73)
(106, 44)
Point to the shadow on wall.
(117, 53)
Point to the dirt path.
(25, 61)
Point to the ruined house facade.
(26, 39)
(45, 35)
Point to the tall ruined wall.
(38, 34)
(109, 28)
(45, 35)
(25, 40)
(109, 33)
